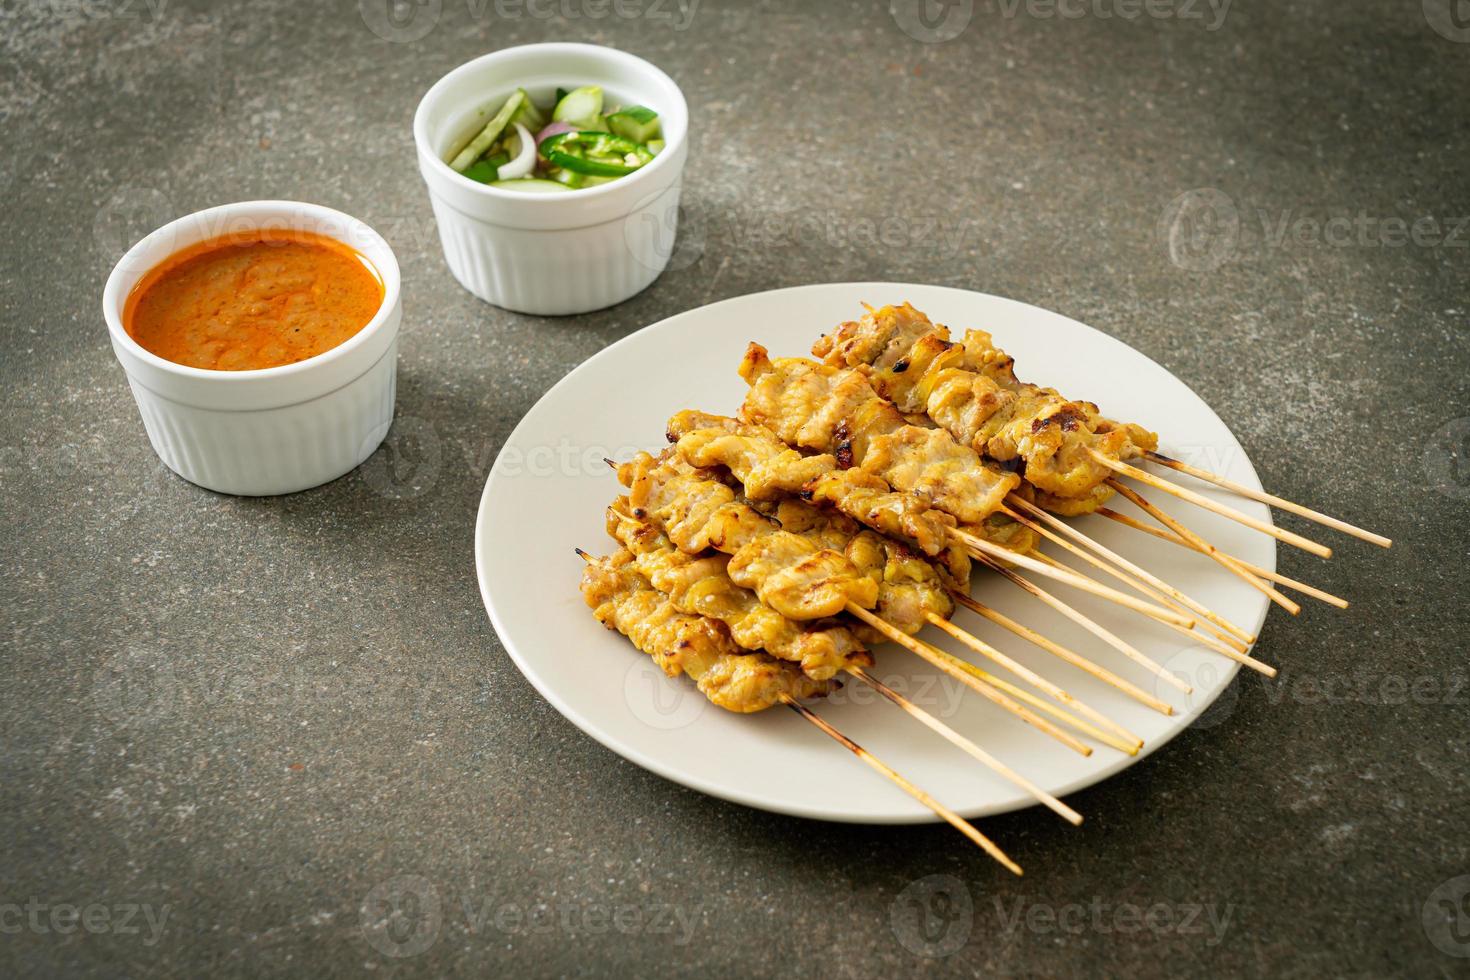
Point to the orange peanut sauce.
(256, 300)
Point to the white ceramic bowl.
(274, 430)
(552, 253)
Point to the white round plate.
(549, 487)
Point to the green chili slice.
(595, 154)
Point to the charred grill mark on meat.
(698, 512)
(970, 389)
(816, 406)
(701, 585)
(697, 646)
(769, 468)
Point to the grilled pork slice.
(701, 648)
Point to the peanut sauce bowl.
(552, 254)
(269, 430)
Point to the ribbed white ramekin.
(275, 430)
(552, 253)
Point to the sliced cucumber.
(655, 147)
(581, 107)
(575, 180)
(637, 123)
(531, 185)
(530, 114)
(490, 133)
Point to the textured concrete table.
(230, 726)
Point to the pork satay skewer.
(811, 405)
(956, 563)
(1256, 570)
(836, 411)
(701, 584)
(739, 681)
(798, 579)
(970, 388)
(1270, 499)
(656, 561)
(691, 481)
(768, 466)
(1230, 564)
(792, 513)
(960, 575)
(701, 648)
(949, 816)
(916, 586)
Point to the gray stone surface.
(257, 716)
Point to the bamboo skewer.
(948, 664)
(1057, 650)
(1270, 499)
(954, 737)
(1220, 637)
(1132, 741)
(1256, 570)
(1199, 500)
(1209, 614)
(893, 633)
(1045, 707)
(1210, 643)
(1221, 642)
(964, 673)
(1201, 544)
(1127, 649)
(959, 741)
(989, 550)
(945, 813)
(1019, 694)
